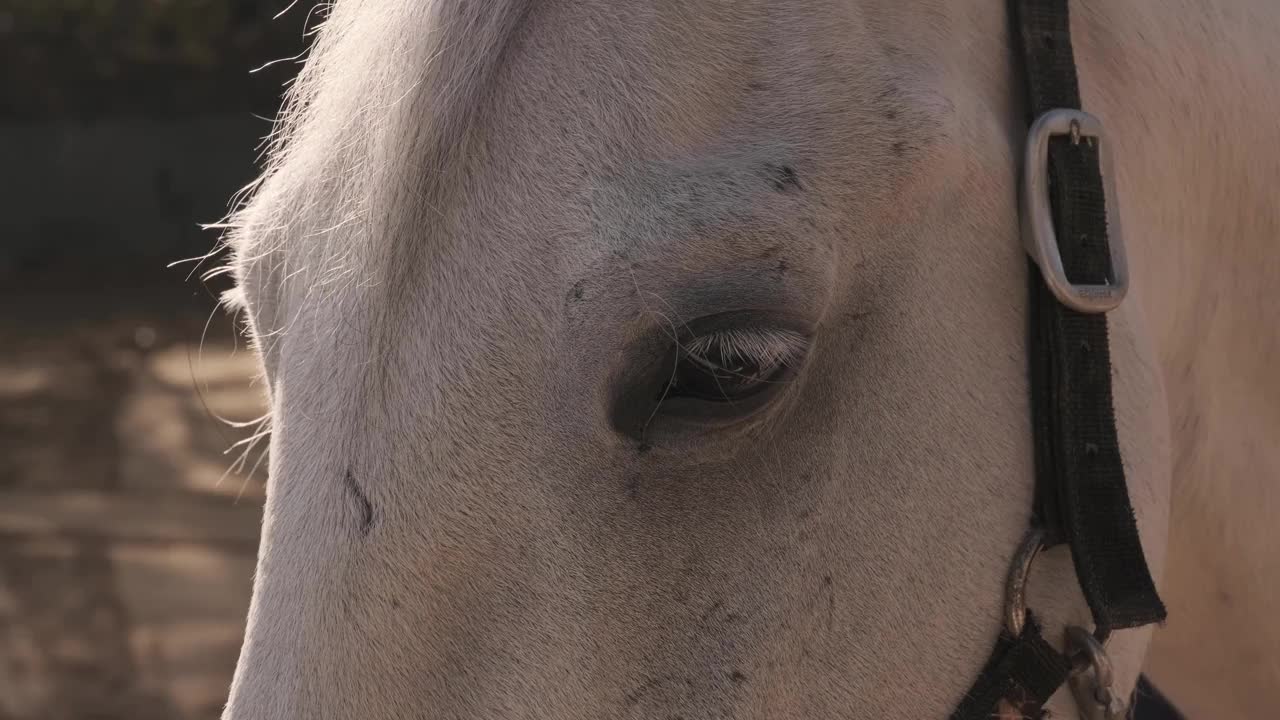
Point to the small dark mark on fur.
(711, 610)
(633, 698)
(853, 318)
(784, 177)
(738, 677)
(899, 149)
(783, 266)
(577, 290)
(364, 508)
(768, 252)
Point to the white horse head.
(652, 360)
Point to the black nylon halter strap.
(1081, 497)
(1023, 671)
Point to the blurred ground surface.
(126, 556)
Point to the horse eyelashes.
(763, 347)
(729, 365)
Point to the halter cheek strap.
(1078, 272)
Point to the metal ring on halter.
(1015, 588)
(1093, 695)
(1082, 644)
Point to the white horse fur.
(480, 218)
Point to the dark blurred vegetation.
(126, 124)
(82, 59)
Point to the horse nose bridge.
(299, 630)
(272, 669)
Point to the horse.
(668, 360)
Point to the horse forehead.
(537, 105)
(669, 182)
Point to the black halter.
(1077, 274)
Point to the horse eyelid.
(764, 346)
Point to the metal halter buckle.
(1092, 690)
(1037, 214)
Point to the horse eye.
(719, 371)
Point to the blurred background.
(128, 528)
